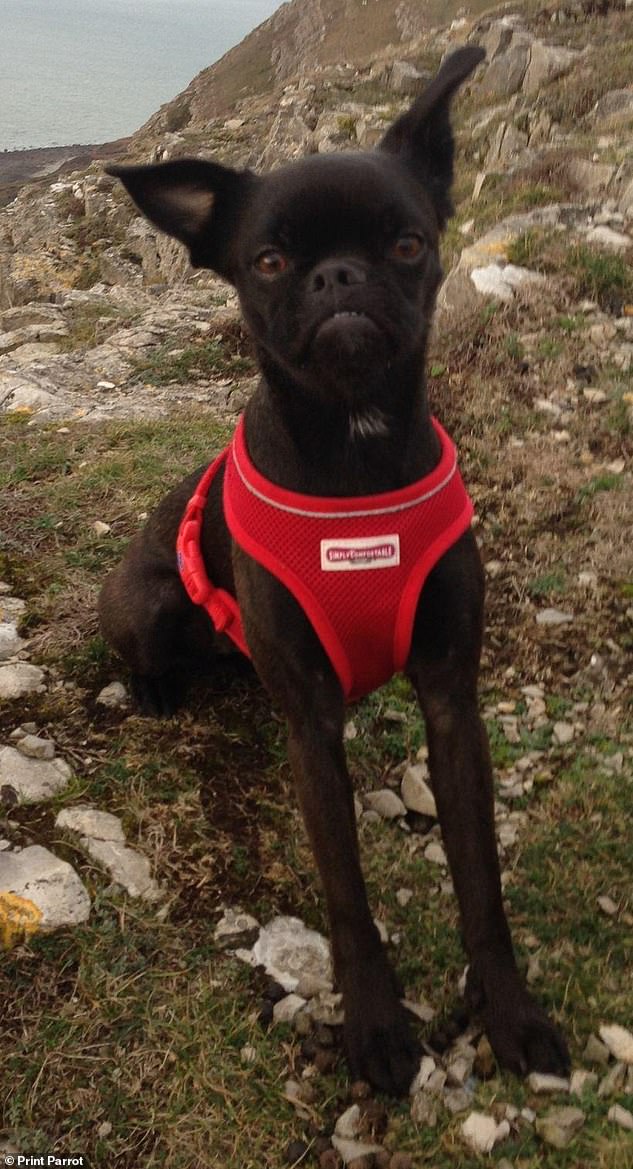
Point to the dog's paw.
(157, 697)
(380, 1045)
(526, 1040)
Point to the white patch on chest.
(370, 423)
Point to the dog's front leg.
(379, 1043)
(444, 666)
(294, 668)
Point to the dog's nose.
(332, 275)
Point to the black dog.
(335, 259)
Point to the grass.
(593, 273)
(203, 359)
(123, 1037)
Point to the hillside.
(131, 1031)
(297, 39)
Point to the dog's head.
(335, 257)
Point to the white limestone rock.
(502, 280)
(51, 884)
(10, 640)
(621, 1116)
(559, 1127)
(416, 793)
(91, 822)
(114, 695)
(353, 1150)
(553, 617)
(287, 1008)
(128, 868)
(290, 952)
(541, 1082)
(619, 1041)
(32, 779)
(19, 679)
(481, 1132)
(386, 803)
(347, 1126)
(36, 748)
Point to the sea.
(91, 71)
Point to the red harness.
(355, 565)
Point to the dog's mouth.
(346, 325)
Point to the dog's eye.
(271, 262)
(408, 246)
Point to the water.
(80, 71)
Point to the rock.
(502, 280)
(416, 793)
(40, 889)
(459, 1069)
(422, 1077)
(326, 1007)
(348, 1124)
(32, 779)
(421, 1010)
(114, 695)
(616, 106)
(19, 679)
(11, 608)
(403, 897)
(589, 177)
(434, 852)
(10, 640)
(290, 951)
(507, 143)
(91, 822)
(436, 1081)
(386, 803)
(457, 1100)
(613, 1081)
(607, 905)
(505, 73)
(606, 237)
(559, 1128)
(100, 528)
(582, 1080)
(235, 929)
(404, 78)
(563, 733)
(553, 617)
(621, 1116)
(596, 1052)
(353, 1150)
(481, 1132)
(287, 1008)
(126, 867)
(619, 1041)
(35, 748)
(542, 1082)
(547, 62)
(424, 1109)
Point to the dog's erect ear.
(423, 137)
(192, 199)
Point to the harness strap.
(220, 605)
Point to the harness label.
(360, 552)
